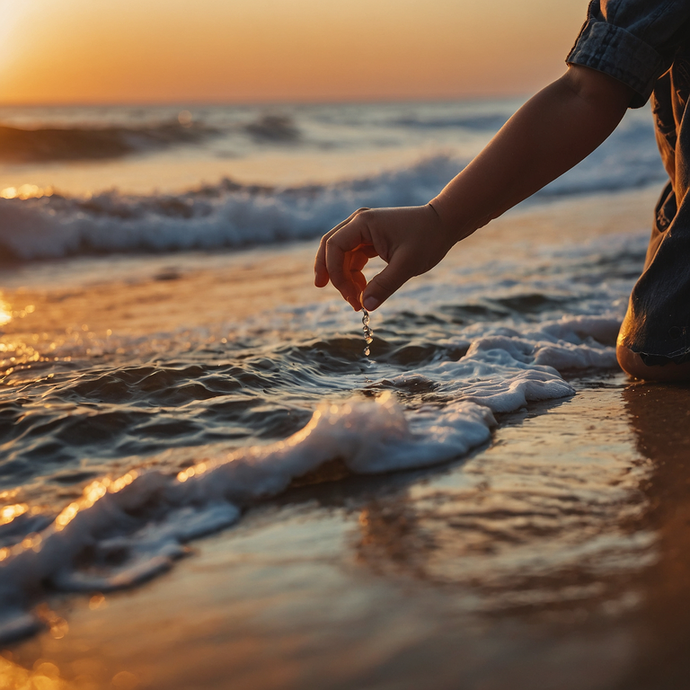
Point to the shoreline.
(554, 556)
(375, 583)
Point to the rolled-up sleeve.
(634, 41)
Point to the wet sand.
(461, 576)
(126, 297)
(374, 583)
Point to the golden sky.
(184, 51)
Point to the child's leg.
(632, 364)
(654, 341)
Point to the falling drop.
(368, 333)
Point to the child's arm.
(550, 134)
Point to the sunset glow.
(270, 50)
(5, 318)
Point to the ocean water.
(165, 365)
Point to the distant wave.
(43, 145)
(59, 144)
(273, 129)
(491, 122)
(231, 214)
(228, 214)
(628, 159)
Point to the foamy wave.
(142, 522)
(225, 215)
(127, 530)
(230, 214)
(506, 369)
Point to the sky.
(235, 51)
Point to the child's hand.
(411, 240)
(552, 132)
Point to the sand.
(456, 577)
(360, 583)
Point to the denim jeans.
(646, 45)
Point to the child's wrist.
(452, 225)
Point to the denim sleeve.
(633, 41)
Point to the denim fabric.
(646, 45)
(634, 41)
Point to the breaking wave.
(128, 529)
(47, 144)
(231, 214)
(228, 214)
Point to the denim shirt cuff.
(613, 50)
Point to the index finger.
(321, 276)
(338, 248)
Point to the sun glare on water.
(25, 191)
(5, 313)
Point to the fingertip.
(321, 276)
(354, 303)
(370, 303)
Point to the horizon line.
(473, 97)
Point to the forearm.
(550, 134)
(547, 136)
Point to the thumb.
(384, 284)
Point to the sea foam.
(128, 529)
(233, 214)
(142, 521)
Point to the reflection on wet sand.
(556, 559)
(539, 522)
(659, 416)
(592, 533)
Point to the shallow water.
(157, 180)
(553, 558)
(172, 367)
(127, 436)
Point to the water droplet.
(368, 333)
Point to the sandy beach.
(215, 476)
(374, 583)
(554, 555)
